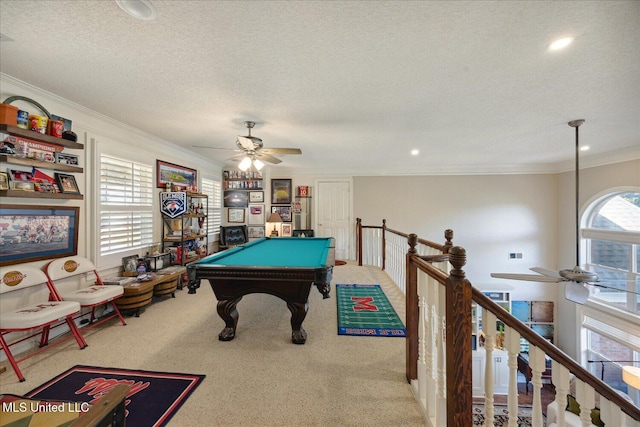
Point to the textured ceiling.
(356, 85)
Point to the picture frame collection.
(38, 181)
(244, 201)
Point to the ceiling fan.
(252, 151)
(576, 279)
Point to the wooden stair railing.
(459, 293)
(556, 355)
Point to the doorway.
(334, 209)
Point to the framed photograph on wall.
(235, 215)
(256, 215)
(235, 199)
(280, 191)
(256, 196)
(35, 233)
(255, 232)
(67, 183)
(179, 176)
(283, 211)
(286, 230)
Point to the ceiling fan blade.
(214, 148)
(237, 156)
(529, 277)
(576, 292)
(546, 272)
(268, 158)
(611, 287)
(281, 151)
(245, 143)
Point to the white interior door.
(333, 213)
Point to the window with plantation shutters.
(213, 189)
(126, 205)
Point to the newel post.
(458, 342)
(384, 243)
(448, 244)
(412, 310)
(359, 240)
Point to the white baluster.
(512, 345)
(560, 378)
(489, 329)
(611, 414)
(440, 348)
(537, 364)
(585, 395)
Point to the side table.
(136, 295)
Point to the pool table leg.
(298, 313)
(227, 311)
(324, 289)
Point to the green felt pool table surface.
(275, 252)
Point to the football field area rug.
(366, 310)
(154, 397)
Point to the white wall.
(489, 215)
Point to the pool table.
(285, 267)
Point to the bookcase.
(538, 315)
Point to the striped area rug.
(366, 311)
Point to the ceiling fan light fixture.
(245, 164)
(258, 164)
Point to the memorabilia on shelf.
(22, 185)
(18, 175)
(66, 123)
(32, 149)
(66, 159)
(67, 183)
(4, 181)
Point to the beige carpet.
(260, 378)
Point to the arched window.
(611, 245)
(611, 317)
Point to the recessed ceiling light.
(584, 148)
(415, 152)
(140, 9)
(560, 43)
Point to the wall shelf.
(14, 160)
(22, 161)
(39, 195)
(25, 133)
